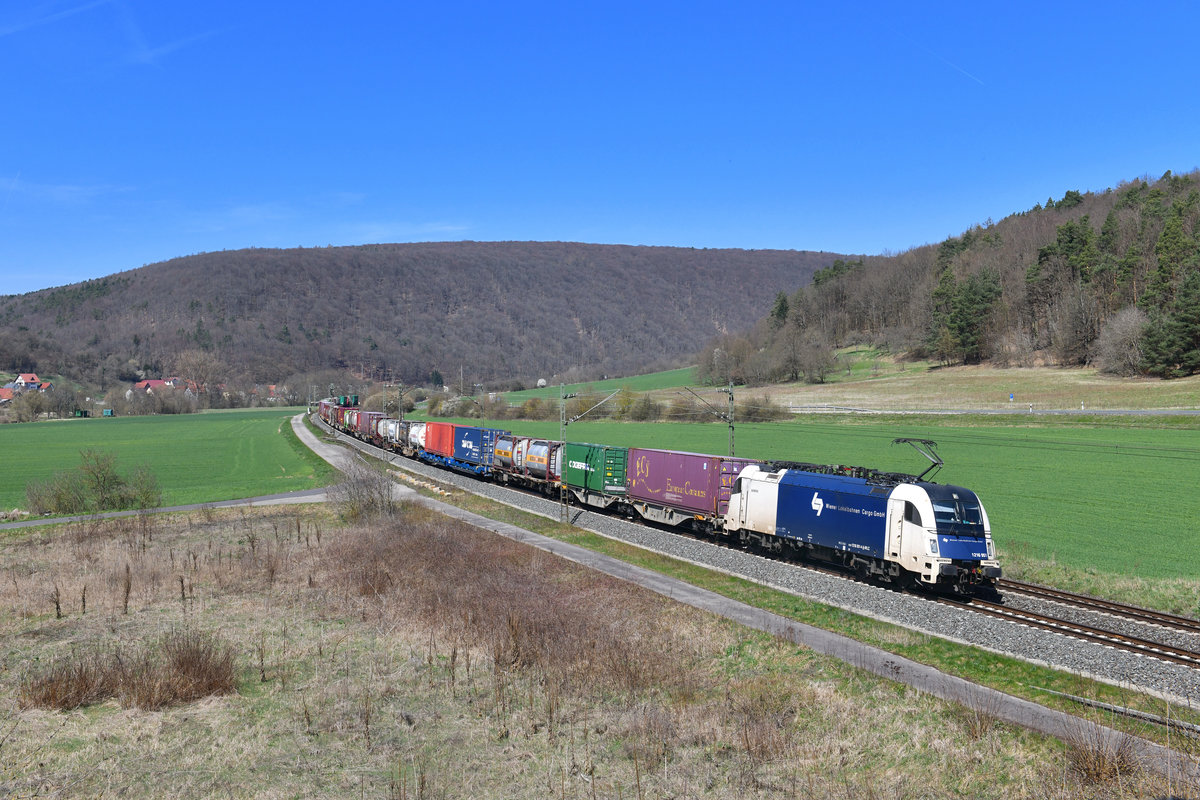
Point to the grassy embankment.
(419, 657)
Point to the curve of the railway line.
(1177, 682)
(833, 590)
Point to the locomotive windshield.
(955, 510)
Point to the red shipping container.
(366, 422)
(439, 438)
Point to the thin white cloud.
(41, 15)
(152, 55)
(929, 52)
(956, 67)
(140, 50)
(66, 194)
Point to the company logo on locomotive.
(818, 504)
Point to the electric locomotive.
(894, 528)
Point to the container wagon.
(675, 487)
(595, 474)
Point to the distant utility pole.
(726, 417)
(729, 392)
(562, 440)
(563, 422)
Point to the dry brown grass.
(419, 657)
(900, 386)
(523, 609)
(182, 666)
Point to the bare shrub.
(142, 489)
(651, 738)
(1100, 756)
(198, 665)
(65, 493)
(95, 486)
(645, 409)
(765, 713)
(78, 680)
(979, 711)
(760, 409)
(366, 492)
(184, 665)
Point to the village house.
(25, 382)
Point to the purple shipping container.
(691, 482)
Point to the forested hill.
(497, 310)
(1109, 278)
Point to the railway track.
(1171, 621)
(1120, 641)
(1112, 639)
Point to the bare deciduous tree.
(1118, 349)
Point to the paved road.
(302, 496)
(1016, 409)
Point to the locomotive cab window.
(957, 512)
(911, 514)
(955, 508)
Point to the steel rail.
(1075, 630)
(1123, 610)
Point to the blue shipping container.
(474, 446)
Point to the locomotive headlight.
(991, 548)
(933, 548)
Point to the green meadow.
(1115, 497)
(652, 382)
(197, 458)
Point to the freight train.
(889, 527)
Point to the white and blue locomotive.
(893, 528)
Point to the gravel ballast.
(1177, 683)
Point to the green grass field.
(197, 458)
(1110, 494)
(1117, 499)
(638, 383)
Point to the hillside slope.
(495, 310)
(1109, 278)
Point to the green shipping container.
(595, 467)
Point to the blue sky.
(134, 132)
